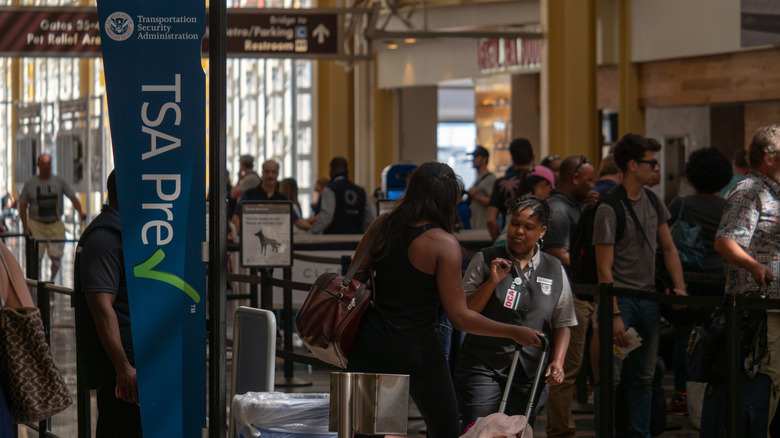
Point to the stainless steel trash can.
(368, 403)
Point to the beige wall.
(335, 110)
(665, 29)
(525, 110)
(418, 119)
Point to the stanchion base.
(292, 382)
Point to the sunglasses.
(652, 162)
(583, 160)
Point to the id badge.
(513, 294)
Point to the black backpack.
(582, 253)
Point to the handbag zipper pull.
(351, 304)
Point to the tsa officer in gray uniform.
(519, 284)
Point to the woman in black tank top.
(417, 263)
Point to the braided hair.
(538, 207)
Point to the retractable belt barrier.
(734, 305)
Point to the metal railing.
(734, 305)
(43, 291)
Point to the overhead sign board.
(282, 33)
(251, 32)
(49, 31)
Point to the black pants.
(116, 418)
(480, 389)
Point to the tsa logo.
(119, 26)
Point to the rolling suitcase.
(539, 376)
(510, 378)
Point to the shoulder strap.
(636, 219)
(612, 198)
(653, 198)
(680, 214)
(359, 259)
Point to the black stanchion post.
(606, 391)
(734, 307)
(287, 315)
(346, 260)
(31, 251)
(266, 289)
(253, 295)
(84, 418)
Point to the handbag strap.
(8, 272)
(358, 259)
(12, 289)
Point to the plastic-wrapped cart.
(281, 415)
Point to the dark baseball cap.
(480, 152)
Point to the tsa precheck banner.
(157, 108)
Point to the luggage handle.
(510, 378)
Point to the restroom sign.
(282, 34)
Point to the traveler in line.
(747, 239)
(576, 181)
(508, 189)
(104, 343)
(741, 168)
(417, 264)
(514, 283)
(42, 195)
(289, 188)
(247, 177)
(479, 194)
(630, 263)
(268, 190)
(708, 171)
(553, 162)
(610, 175)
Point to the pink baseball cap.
(545, 173)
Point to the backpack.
(687, 238)
(582, 253)
(706, 355)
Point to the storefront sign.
(271, 33)
(156, 91)
(499, 55)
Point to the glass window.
(455, 141)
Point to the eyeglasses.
(583, 160)
(652, 162)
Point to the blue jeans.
(645, 317)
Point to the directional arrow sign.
(146, 270)
(321, 32)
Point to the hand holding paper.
(634, 341)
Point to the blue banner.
(157, 108)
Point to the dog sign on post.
(266, 234)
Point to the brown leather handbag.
(329, 318)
